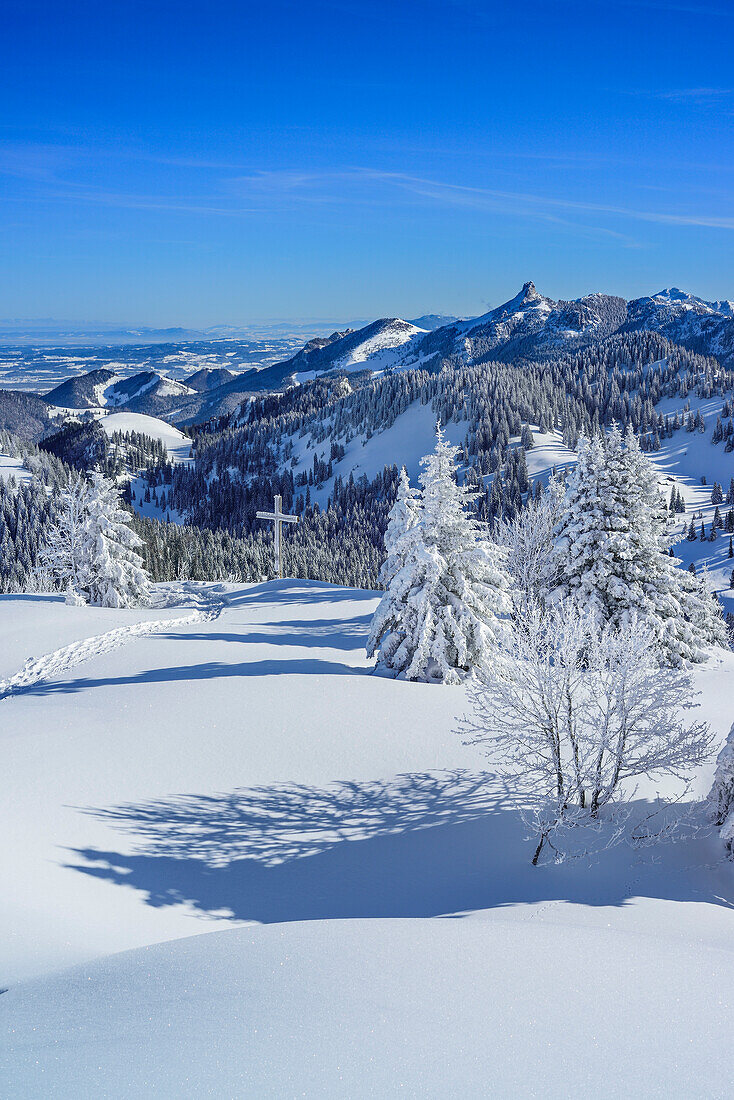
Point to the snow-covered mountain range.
(529, 326)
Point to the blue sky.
(197, 163)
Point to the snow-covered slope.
(85, 391)
(176, 443)
(384, 1008)
(527, 325)
(245, 769)
(405, 442)
(379, 346)
(533, 325)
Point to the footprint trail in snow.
(210, 600)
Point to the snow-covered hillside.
(529, 326)
(178, 445)
(106, 388)
(316, 887)
(13, 468)
(178, 450)
(379, 346)
(411, 436)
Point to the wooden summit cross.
(279, 518)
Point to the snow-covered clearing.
(178, 448)
(13, 468)
(176, 443)
(379, 930)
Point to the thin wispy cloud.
(306, 185)
(694, 95)
(463, 195)
(240, 195)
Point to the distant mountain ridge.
(705, 327)
(529, 326)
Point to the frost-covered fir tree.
(403, 517)
(440, 616)
(612, 556)
(90, 550)
(64, 553)
(114, 575)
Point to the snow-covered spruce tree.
(113, 575)
(721, 797)
(403, 517)
(440, 616)
(611, 552)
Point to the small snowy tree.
(63, 556)
(114, 575)
(573, 711)
(403, 517)
(90, 550)
(721, 797)
(611, 552)
(528, 538)
(440, 614)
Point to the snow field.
(13, 467)
(376, 926)
(178, 447)
(67, 657)
(381, 1009)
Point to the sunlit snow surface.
(178, 445)
(377, 927)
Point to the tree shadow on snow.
(207, 670)
(421, 845)
(31, 597)
(299, 592)
(301, 633)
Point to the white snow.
(104, 392)
(383, 1008)
(13, 467)
(385, 349)
(178, 447)
(374, 348)
(176, 443)
(377, 927)
(548, 452)
(412, 435)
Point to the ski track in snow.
(210, 600)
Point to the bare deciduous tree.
(575, 711)
(528, 539)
